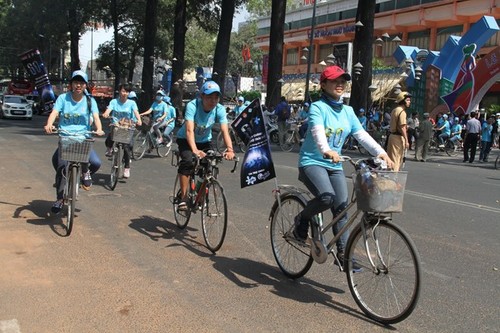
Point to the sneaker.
(159, 141)
(182, 206)
(297, 232)
(109, 152)
(302, 140)
(441, 146)
(169, 143)
(86, 181)
(356, 268)
(126, 172)
(57, 207)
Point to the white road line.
(453, 201)
(32, 137)
(9, 326)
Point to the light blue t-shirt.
(446, 130)
(486, 132)
(122, 110)
(303, 115)
(203, 121)
(456, 128)
(74, 116)
(338, 125)
(159, 109)
(171, 114)
(238, 109)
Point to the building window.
(419, 39)
(292, 56)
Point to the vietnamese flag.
(245, 53)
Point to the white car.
(14, 106)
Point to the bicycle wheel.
(288, 141)
(163, 149)
(214, 216)
(450, 148)
(389, 291)
(241, 145)
(362, 150)
(73, 174)
(181, 216)
(115, 167)
(140, 145)
(293, 259)
(497, 162)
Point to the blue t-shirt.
(171, 114)
(456, 128)
(338, 125)
(159, 109)
(74, 116)
(203, 121)
(486, 132)
(122, 110)
(446, 130)
(238, 109)
(363, 121)
(303, 115)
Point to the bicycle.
(497, 162)
(388, 285)
(450, 148)
(74, 148)
(205, 195)
(147, 141)
(122, 136)
(237, 142)
(291, 136)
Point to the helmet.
(402, 96)
(445, 116)
(132, 94)
(457, 119)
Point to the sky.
(100, 36)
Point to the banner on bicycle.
(32, 62)
(257, 166)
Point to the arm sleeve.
(319, 136)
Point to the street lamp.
(309, 59)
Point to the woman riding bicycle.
(196, 133)
(160, 110)
(123, 110)
(76, 112)
(330, 123)
(171, 115)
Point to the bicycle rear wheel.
(181, 216)
(73, 174)
(140, 145)
(497, 162)
(115, 167)
(450, 148)
(214, 216)
(163, 149)
(388, 291)
(293, 258)
(288, 141)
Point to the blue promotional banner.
(257, 166)
(32, 62)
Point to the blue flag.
(257, 165)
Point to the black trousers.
(186, 164)
(470, 144)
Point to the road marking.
(33, 137)
(9, 326)
(453, 201)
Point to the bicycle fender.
(283, 196)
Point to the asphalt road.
(128, 268)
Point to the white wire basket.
(123, 134)
(75, 149)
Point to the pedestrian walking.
(425, 133)
(486, 139)
(473, 129)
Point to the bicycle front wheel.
(115, 167)
(388, 286)
(288, 141)
(214, 216)
(450, 148)
(72, 185)
(181, 216)
(163, 149)
(293, 258)
(497, 162)
(140, 145)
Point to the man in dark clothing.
(473, 129)
(425, 134)
(282, 111)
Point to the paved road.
(128, 268)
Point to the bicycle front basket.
(75, 149)
(380, 191)
(123, 134)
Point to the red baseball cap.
(333, 72)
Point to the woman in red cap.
(330, 123)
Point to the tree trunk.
(149, 45)
(276, 52)
(363, 53)
(74, 32)
(179, 40)
(223, 40)
(116, 54)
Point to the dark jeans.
(329, 189)
(60, 165)
(485, 150)
(186, 164)
(470, 144)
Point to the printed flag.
(32, 62)
(257, 165)
(245, 53)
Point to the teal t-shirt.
(338, 124)
(75, 116)
(159, 109)
(122, 110)
(171, 114)
(446, 130)
(203, 121)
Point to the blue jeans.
(59, 165)
(329, 189)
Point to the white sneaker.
(126, 172)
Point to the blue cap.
(160, 92)
(241, 99)
(167, 99)
(306, 104)
(79, 74)
(132, 94)
(210, 87)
